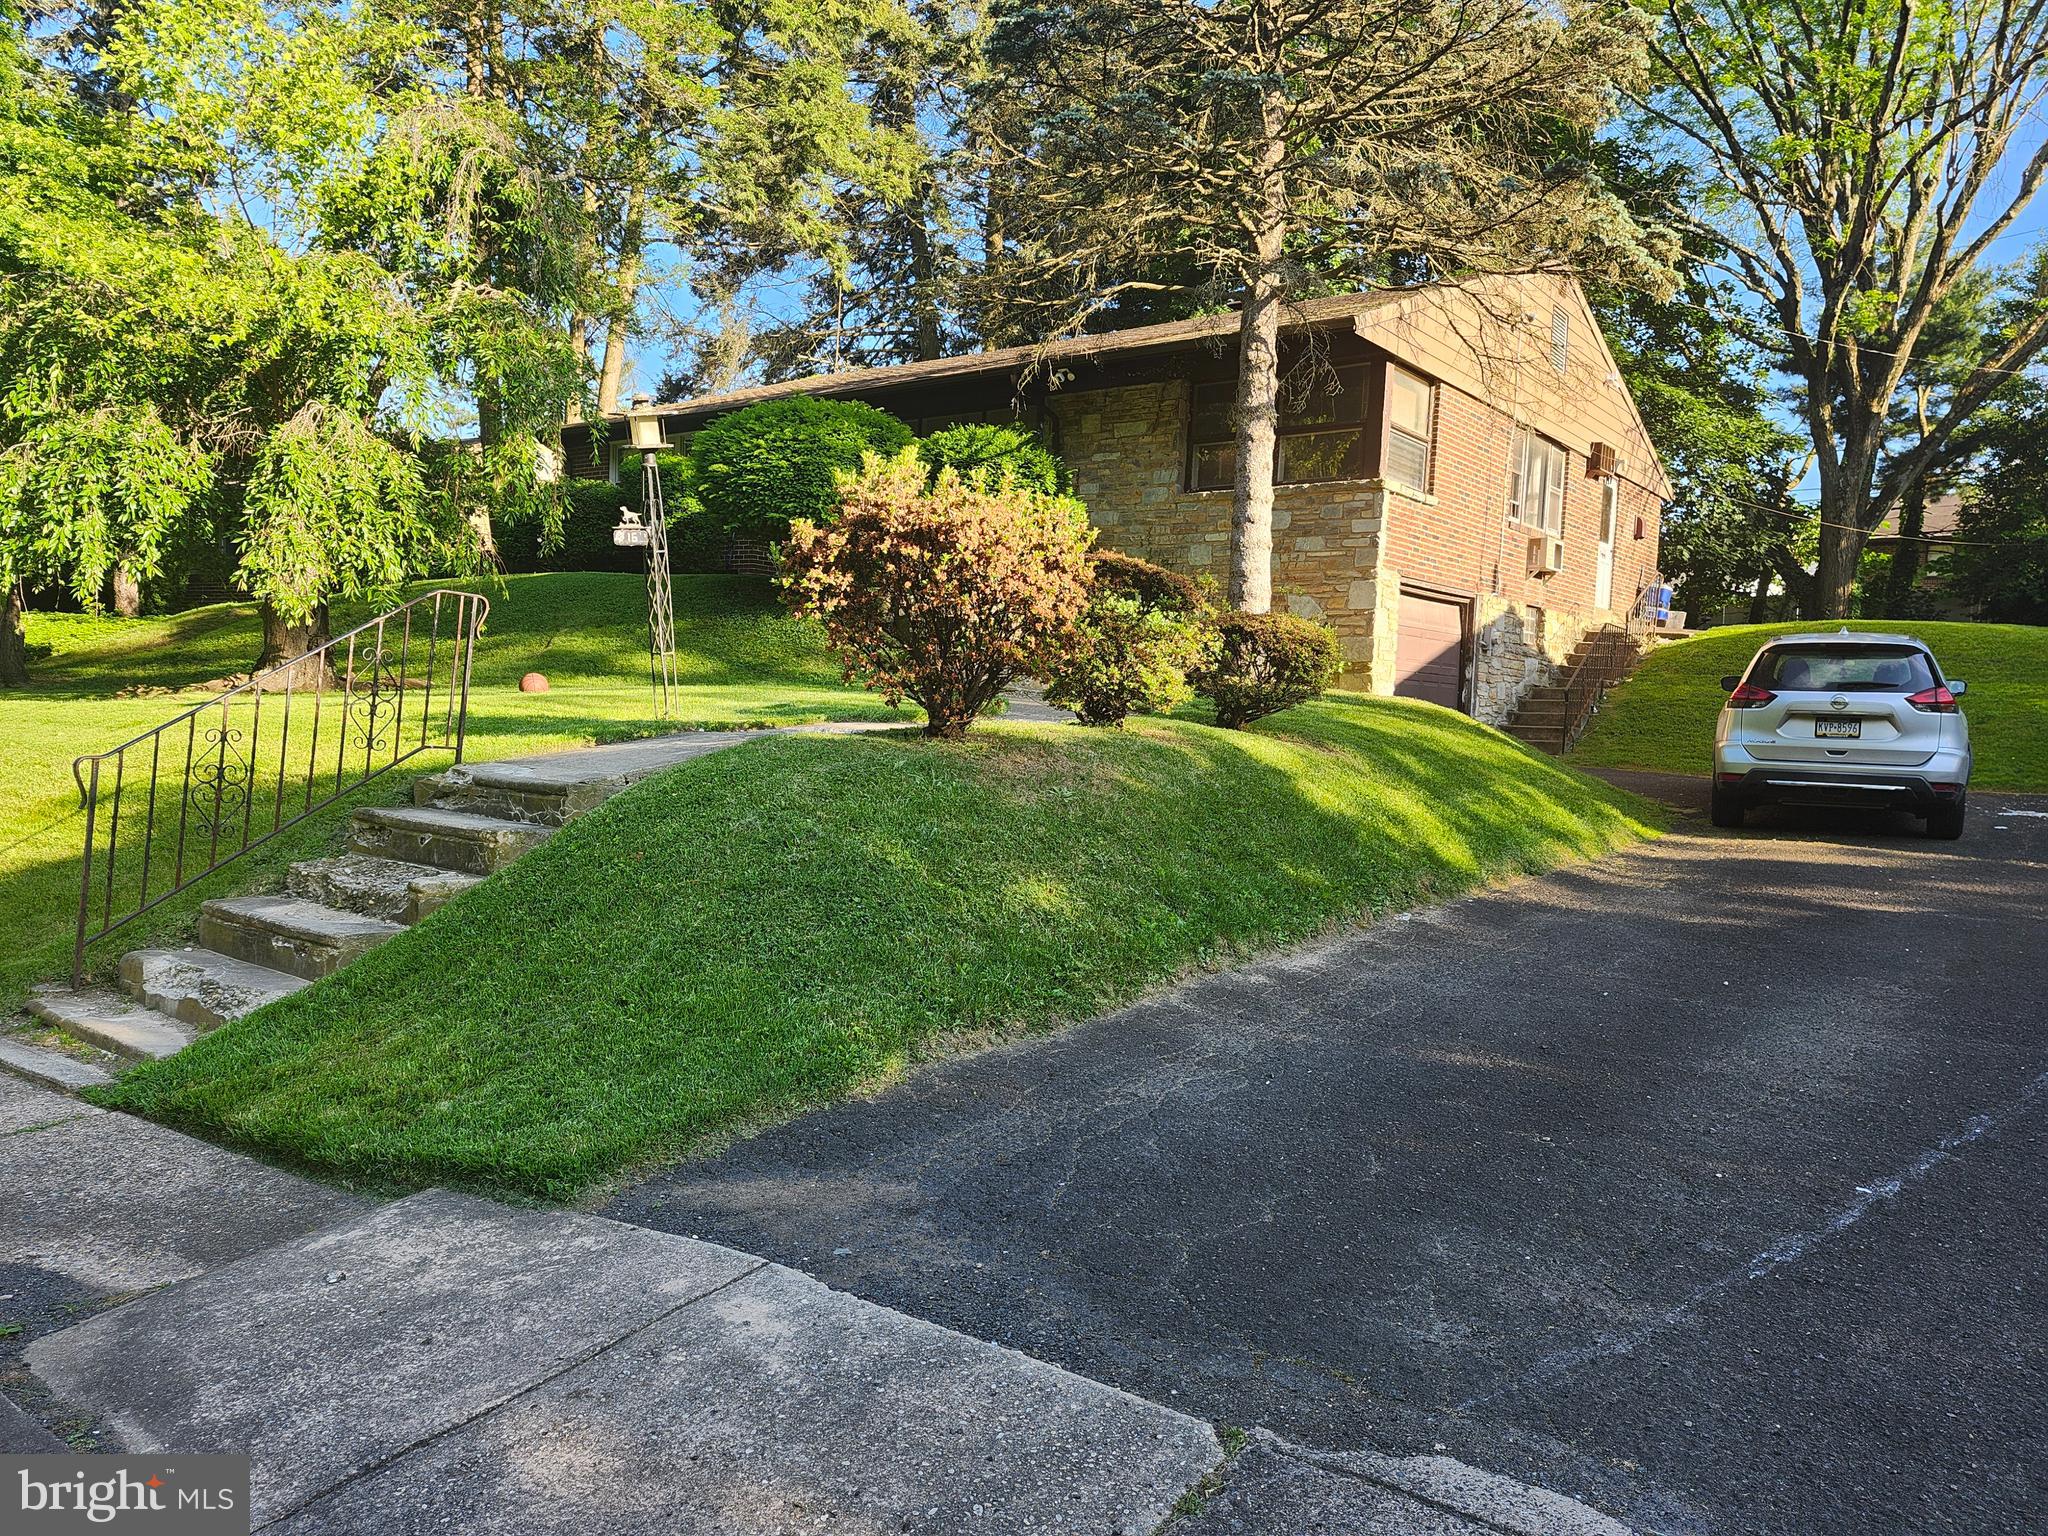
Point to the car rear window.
(1843, 669)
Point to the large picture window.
(1410, 404)
(1321, 433)
(1536, 469)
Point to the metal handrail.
(219, 782)
(1600, 669)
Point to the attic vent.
(1560, 338)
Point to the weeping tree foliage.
(1867, 159)
(1274, 146)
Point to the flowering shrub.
(943, 595)
(1127, 658)
(1266, 662)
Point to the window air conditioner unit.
(1546, 554)
(1600, 461)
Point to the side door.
(1603, 563)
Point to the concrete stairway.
(400, 863)
(1542, 719)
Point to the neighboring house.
(1467, 487)
(1937, 533)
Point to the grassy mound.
(1663, 717)
(743, 660)
(782, 923)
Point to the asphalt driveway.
(1705, 1183)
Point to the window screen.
(1321, 434)
(1409, 408)
(1536, 469)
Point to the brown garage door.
(1429, 662)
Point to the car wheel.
(1946, 821)
(1725, 809)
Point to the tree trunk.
(927, 340)
(1258, 384)
(1760, 599)
(127, 593)
(1905, 571)
(14, 639)
(282, 642)
(579, 348)
(631, 234)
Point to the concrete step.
(392, 889)
(544, 806)
(202, 986)
(459, 840)
(1549, 737)
(112, 1021)
(52, 1069)
(559, 786)
(290, 933)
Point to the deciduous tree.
(1867, 162)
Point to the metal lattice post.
(661, 609)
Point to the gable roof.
(1489, 337)
(1492, 338)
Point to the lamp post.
(648, 529)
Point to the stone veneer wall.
(1126, 449)
(1341, 552)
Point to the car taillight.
(1934, 701)
(1749, 696)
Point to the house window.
(1321, 434)
(1536, 483)
(1560, 339)
(1409, 412)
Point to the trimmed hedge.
(591, 510)
(989, 455)
(754, 470)
(1148, 585)
(1267, 662)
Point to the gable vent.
(1560, 338)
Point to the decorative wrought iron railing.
(170, 806)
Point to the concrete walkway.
(446, 1363)
(443, 1363)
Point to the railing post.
(472, 621)
(92, 806)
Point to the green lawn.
(797, 918)
(743, 661)
(1663, 717)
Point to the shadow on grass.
(774, 926)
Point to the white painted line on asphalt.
(1785, 1250)
(2042, 815)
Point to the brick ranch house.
(1466, 488)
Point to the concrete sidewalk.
(443, 1363)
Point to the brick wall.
(1458, 541)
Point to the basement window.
(1321, 434)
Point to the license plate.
(1838, 727)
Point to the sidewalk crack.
(379, 1463)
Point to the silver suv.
(1843, 719)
